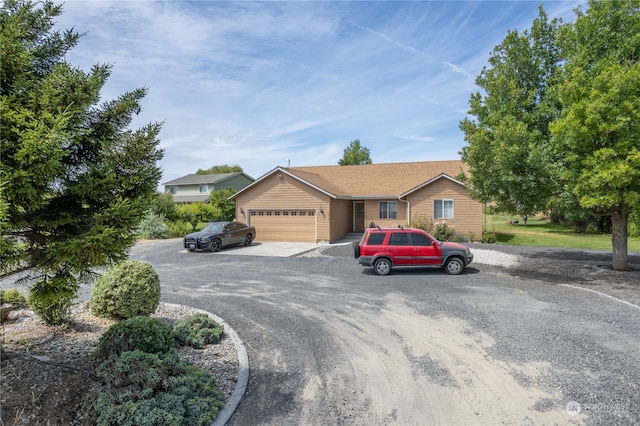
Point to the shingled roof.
(196, 179)
(372, 180)
(376, 180)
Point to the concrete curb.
(243, 370)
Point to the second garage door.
(295, 225)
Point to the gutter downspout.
(408, 210)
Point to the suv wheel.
(454, 266)
(382, 266)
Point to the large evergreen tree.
(75, 179)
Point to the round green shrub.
(197, 330)
(142, 333)
(128, 289)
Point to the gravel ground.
(590, 269)
(329, 342)
(583, 353)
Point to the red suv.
(383, 249)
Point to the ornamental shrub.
(178, 229)
(138, 333)
(444, 232)
(128, 289)
(197, 330)
(155, 389)
(422, 222)
(153, 227)
(489, 237)
(52, 298)
(13, 297)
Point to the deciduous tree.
(508, 149)
(220, 201)
(220, 169)
(598, 134)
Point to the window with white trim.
(204, 188)
(388, 209)
(443, 209)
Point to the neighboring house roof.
(195, 179)
(384, 180)
(191, 198)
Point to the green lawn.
(541, 232)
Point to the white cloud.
(257, 83)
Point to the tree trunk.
(619, 235)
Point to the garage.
(295, 225)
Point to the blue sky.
(266, 84)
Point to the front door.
(359, 216)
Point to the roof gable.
(440, 176)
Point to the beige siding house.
(196, 188)
(324, 203)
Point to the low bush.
(444, 232)
(155, 389)
(138, 333)
(178, 229)
(152, 226)
(423, 222)
(14, 297)
(197, 331)
(52, 298)
(489, 237)
(129, 289)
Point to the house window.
(204, 188)
(173, 189)
(388, 209)
(443, 209)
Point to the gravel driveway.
(550, 338)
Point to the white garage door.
(295, 225)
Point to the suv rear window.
(376, 239)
